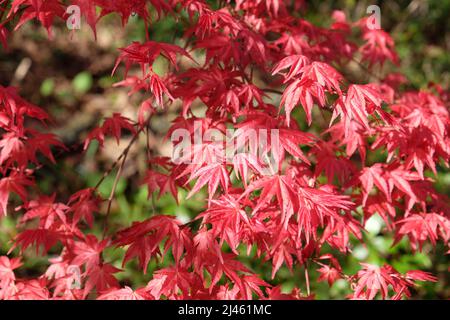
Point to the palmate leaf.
(213, 175)
(314, 81)
(37, 237)
(14, 183)
(144, 239)
(374, 279)
(43, 10)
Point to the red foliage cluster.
(310, 201)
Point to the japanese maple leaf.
(83, 204)
(226, 292)
(249, 93)
(34, 289)
(46, 210)
(219, 48)
(282, 253)
(42, 142)
(282, 139)
(378, 204)
(331, 272)
(227, 219)
(331, 164)
(65, 277)
(125, 294)
(151, 83)
(145, 54)
(231, 101)
(14, 183)
(316, 79)
(401, 179)
(145, 237)
(294, 43)
(275, 293)
(420, 227)
(127, 8)
(88, 9)
(7, 267)
(295, 93)
(418, 275)
(378, 48)
(88, 252)
(252, 284)
(371, 280)
(157, 87)
(255, 47)
(37, 237)
(13, 149)
(242, 162)
(43, 10)
(295, 63)
(231, 268)
(101, 277)
(274, 7)
(111, 126)
(135, 83)
(146, 110)
(213, 175)
(290, 139)
(165, 183)
(144, 249)
(337, 232)
(322, 74)
(371, 176)
(170, 281)
(115, 124)
(280, 187)
(420, 150)
(374, 279)
(352, 135)
(206, 248)
(315, 205)
(359, 102)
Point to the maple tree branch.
(123, 154)
(113, 166)
(123, 157)
(147, 129)
(113, 190)
(308, 289)
(359, 63)
(273, 91)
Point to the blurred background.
(70, 77)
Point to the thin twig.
(149, 154)
(123, 157)
(272, 91)
(113, 166)
(359, 63)
(111, 195)
(308, 290)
